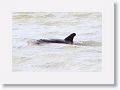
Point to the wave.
(89, 43)
(81, 43)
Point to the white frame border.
(106, 76)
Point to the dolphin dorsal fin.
(70, 38)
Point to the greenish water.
(28, 27)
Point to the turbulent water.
(85, 56)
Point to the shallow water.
(85, 55)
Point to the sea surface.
(85, 56)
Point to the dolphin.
(67, 40)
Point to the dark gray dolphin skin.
(67, 40)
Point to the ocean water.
(85, 56)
